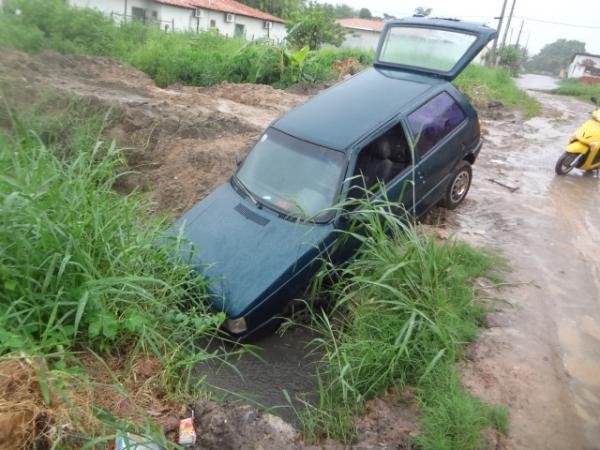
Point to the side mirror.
(594, 100)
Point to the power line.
(593, 27)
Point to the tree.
(365, 13)
(280, 8)
(343, 11)
(423, 11)
(512, 57)
(314, 26)
(556, 56)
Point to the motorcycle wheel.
(565, 163)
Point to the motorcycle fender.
(577, 147)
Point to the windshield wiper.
(249, 194)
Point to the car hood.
(246, 252)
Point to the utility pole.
(512, 10)
(520, 31)
(493, 58)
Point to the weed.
(403, 311)
(484, 84)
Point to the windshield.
(295, 176)
(425, 48)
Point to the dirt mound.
(182, 141)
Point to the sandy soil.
(541, 352)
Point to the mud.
(182, 141)
(541, 354)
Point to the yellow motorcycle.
(583, 152)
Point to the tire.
(459, 186)
(565, 163)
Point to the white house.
(584, 65)
(229, 17)
(362, 33)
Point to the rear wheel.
(565, 163)
(459, 186)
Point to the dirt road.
(541, 354)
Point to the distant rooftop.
(226, 6)
(362, 24)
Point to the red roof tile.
(362, 24)
(226, 6)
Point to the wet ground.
(541, 354)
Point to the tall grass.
(485, 84)
(403, 311)
(82, 266)
(202, 59)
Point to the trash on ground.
(187, 433)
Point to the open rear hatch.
(439, 48)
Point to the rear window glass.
(435, 120)
(425, 48)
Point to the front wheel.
(458, 186)
(565, 163)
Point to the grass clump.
(83, 269)
(577, 89)
(403, 312)
(484, 84)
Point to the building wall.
(577, 69)
(362, 39)
(183, 19)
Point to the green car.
(260, 237)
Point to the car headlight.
(236, 326)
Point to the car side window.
(381, 161)
(435, 120)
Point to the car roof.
(341, 115)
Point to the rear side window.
(435, 120)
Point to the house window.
(435, 120)
(240, 30)
(213, 23)
(138, 14)
(356, 35)
(154, 15)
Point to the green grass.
(403, 312)
(484, 84)
(202, 59)
(83, 268)
(577, 89)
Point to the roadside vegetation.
(202, 59)
(577, 89)
(485, 84)
(403, 312)
(84, 273)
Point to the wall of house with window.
(249, 27)
(361, 39)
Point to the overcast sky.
(584, 13)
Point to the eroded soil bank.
(541, 352)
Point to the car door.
(436, 128)
(439, 48)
